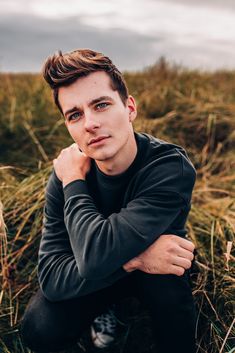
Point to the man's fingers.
(186, 244)
(177, 270)
(182, 262)
(75, 146)
(185, 253)
(131, 265)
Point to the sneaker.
(104, 329)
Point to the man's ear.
(131, 104)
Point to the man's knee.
(39, 328)
(32, 331)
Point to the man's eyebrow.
(92, 102)
(97, 100)
(71, 110)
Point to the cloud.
(27, 40)
(211, 4)
(133, 33)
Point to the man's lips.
(97, 139)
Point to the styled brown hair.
(63, 69)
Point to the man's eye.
(74, 116)
(102, 105)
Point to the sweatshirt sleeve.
(101, 245)
(58, 273)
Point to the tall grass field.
(190, 108)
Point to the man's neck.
(121, 162)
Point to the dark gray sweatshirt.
(92, 228)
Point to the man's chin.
(101, 157)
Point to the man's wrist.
(70, 179)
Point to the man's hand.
(169, 254)
(71, 164)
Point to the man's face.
(96, 117)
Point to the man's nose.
(91, 122)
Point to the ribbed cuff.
(76, 187)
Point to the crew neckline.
(117, 179)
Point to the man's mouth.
(97, 139)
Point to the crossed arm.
(169, 254)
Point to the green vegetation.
(195, 110)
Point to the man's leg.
(170, 303)
(52, 326)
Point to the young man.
(113, 203)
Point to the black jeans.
(52, 326)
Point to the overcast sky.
(134, 33)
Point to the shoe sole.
(98, 342)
